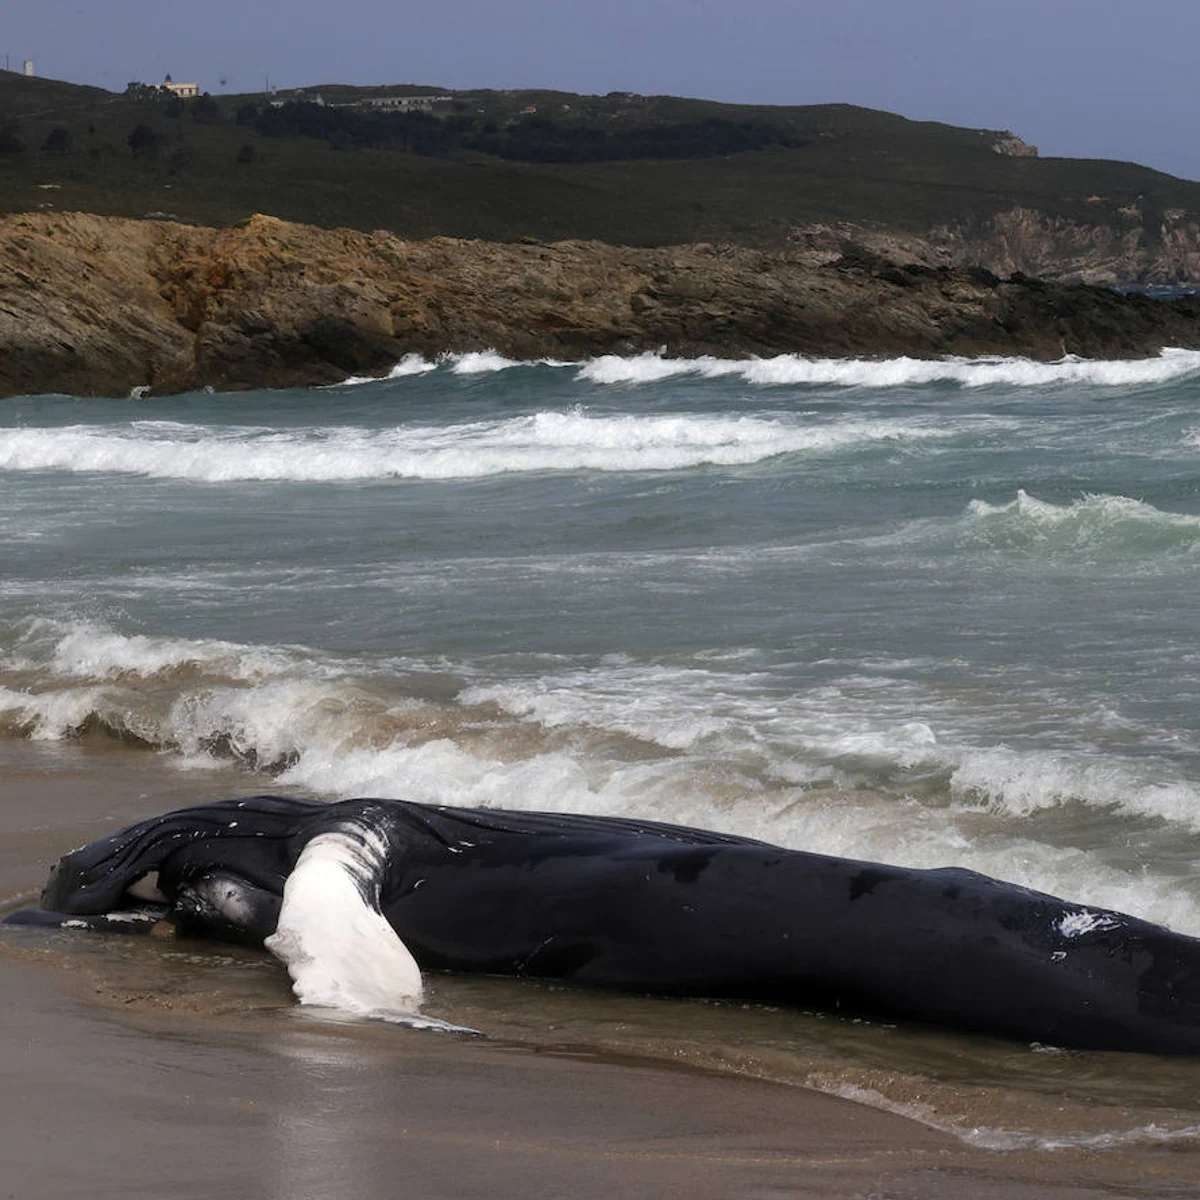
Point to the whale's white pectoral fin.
(334, 940)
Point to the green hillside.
(504, 165)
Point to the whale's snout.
(50, 891)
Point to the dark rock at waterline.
(96, 305)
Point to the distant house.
(185, 91)
(405, 103)
(302, 97)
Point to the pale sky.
(1084, 78)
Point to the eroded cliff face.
(93, 305)
(1123, 247)
(1139, 248)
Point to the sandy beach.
(141, 1071)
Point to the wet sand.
(114, 1092)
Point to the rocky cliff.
(94, 305)
(1136, 246)
(1124, 247)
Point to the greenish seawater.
(929, 613)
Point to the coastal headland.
(93, 305)
(425, 161)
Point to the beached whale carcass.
(358, 897)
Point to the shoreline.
(287, 1107)
(295, 1110)
(106, 306)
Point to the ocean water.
(928, 613)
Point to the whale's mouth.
(152, 860)
(147, 889)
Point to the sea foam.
(1095, 524)
(794, 369)
(410, 364)
(471, 362)
(574, 440)
(820, 768)
(784, 370)
(991, 1137)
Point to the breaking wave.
(472, 362)
(410, 364)
(1100, 524)
(798, 370)
(487, 362)
(794, 369)
(546, 441)
(828, 768)
(983, 372)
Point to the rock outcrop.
(1139, 247)
(1129, 248)
(94, 305)
(1012, 146)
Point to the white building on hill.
(185, 91)
(404, 103)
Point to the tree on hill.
(181, 159)
(272, 123)
(10, 139)
(144, 142)
(206, 110)
(58, 141)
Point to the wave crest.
(410, 364)
(782, 370)
(832, 768)
(1095, 523)
(546, 441)
(795, 369)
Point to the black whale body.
(647, 907)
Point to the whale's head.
(251, 838)
(304, 880)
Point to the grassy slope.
(858, 165)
